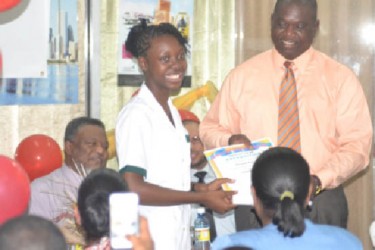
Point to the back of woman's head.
(140, 37)
(281, 179)
(93, 201)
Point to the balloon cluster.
(36, 155)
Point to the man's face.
(198, 160)
(294, 26)
(88, 149)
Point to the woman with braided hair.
(153, 147)
(281, 190)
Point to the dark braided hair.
(140, 36)
(281, 180)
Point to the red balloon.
(14, 189)
(1, 64)
(8, 4)
(39, 155)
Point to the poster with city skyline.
(176, 12)
(59, 84)
(23, 30)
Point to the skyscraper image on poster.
(177, 12)
(57, 82)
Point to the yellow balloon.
(187, 100)
(111, 137)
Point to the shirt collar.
(68, 171)
(146, 95)
(299, 63)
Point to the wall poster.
(177, 12)
(39, 50)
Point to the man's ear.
(68, 147)
(142, 63)
(272, 19)
(255, 197)
(77, 216)
(316, 27)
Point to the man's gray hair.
(75, 124)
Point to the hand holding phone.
(143, 240)
(123, 213)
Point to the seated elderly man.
(54, 196)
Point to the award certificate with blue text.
(236, 162)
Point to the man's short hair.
(31, 232)
(313, 4)
(75, 124)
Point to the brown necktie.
(288, 128)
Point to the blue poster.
(59, 85)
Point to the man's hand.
(240, 139)
(142, 241)
(316, 185)
(311, 189)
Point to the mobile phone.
(123, 214)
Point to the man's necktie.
(288, 125)
(200, 175)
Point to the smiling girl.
(152, 145)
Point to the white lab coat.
(148, 143)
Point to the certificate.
(236, 162)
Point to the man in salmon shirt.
(335, 130)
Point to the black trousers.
(210, 217)
(329, 207)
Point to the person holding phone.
(93, 213)
(152, 145)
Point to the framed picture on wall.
(177, 12)
(40, 64)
